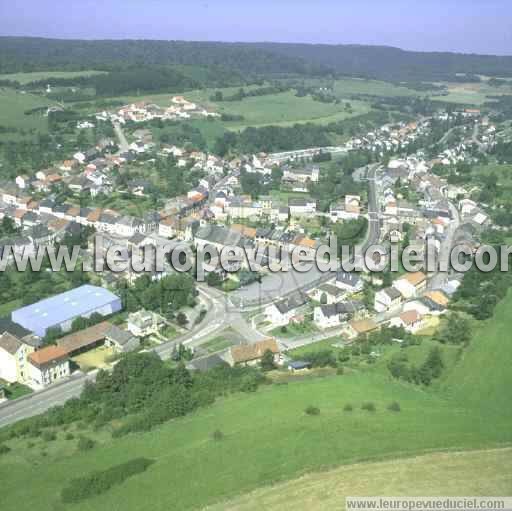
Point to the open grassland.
(13, 106)
(24, 78)
(462, 473)
(267, 439)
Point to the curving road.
(221, 313)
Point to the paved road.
(123, 143)
(281, 284)
(221, 313)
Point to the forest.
(23, 54)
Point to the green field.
(283, 109)
(13, 106)
(268, 439)
(483, 376)
(463, 473)
(24, 78)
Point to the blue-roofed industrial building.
(62, 309)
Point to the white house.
(13, 358)
(281, 313)
(411, 284)
(411, 321)
(48, 365)
(387, 299)
(328, 316)
(143, 323)
(350, 282)
(302, 206)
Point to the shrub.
(340, 371)
(49, 436)
(69, 436)
(394, 406)
(369, 406)
(217, 435)
(4, 449)
(312, 410)
(85, 444)
(348, 408)
(99, 482)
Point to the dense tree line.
(139, 393)
(272, 139)
(251, 59)
(243, 93)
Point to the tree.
(181, 319)
(213, 279)
(267, 361)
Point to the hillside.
(468, 473)
(267, 439)
(483, 376)
(253, 59)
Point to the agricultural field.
(472, 93)
(13, 106)
(348, 86)
(462, 473)
(286, 109)
(282, 109)
(24, 78)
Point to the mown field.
(462, 473)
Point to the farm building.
(62, 309)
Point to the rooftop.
(48, 355)
(248, 352)
(62, 307)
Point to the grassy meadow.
(267, 439)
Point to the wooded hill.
(253, 59)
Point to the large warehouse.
(61, 310)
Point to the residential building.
(410, 320)
(48, 365)
(280, 313)
(411, 284)
(387, 299)
(121, 340)
(350, 282)
(251, 354)
(13, 358)
(143, 323)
